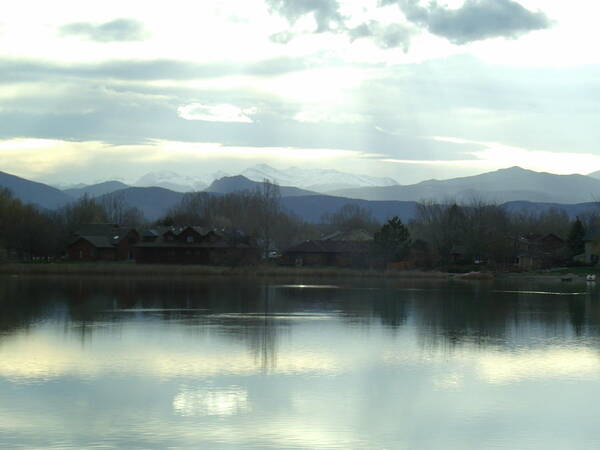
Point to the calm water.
(151, 363)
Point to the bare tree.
(351, 217)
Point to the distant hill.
(572, 210)
(502, 185)
(32, 192)
(96, 190)
(595, 174)
(312, 207)
(154, 202)
(548, 191)
(239, 183)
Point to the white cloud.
(501, 155)
(56, 160)
(216, 113)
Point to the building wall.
(83, 250)
(191, 255)
(171, 255)
(125, 248)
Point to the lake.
(101, 363)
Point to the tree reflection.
(258, 314)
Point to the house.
(535, 251)
(341, 249)
(458, 254)
(102, 242)
(195, 245)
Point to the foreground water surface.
(237, 363)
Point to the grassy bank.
(127, 269)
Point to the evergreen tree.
(392, 240)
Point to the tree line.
(482, 230)
(29, 232)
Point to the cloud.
(118, 30)
(282, 37)
(475, 20)
(385, 36)
(23, 70)
(328, 18)
(457, 96)
(325, 12)
(216, 113)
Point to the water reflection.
(222, 363)
(211, 401)
(261, 314)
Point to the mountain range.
(500, 186)
(96, 190)
(317, 180)
(35, 193)
(238, 183)
(517, 188)
(314, 180)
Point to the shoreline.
(263, 271)
(127, 269)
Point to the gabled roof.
(96, 241)
(540, 238)
(150, 233)
(208, 238)
(101, 234)
(351, 235)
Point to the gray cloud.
(459, 96)
(328, 17)
(118, 30)
(385, 36)
(475, 20)
(325, 12)
(135, 114)
(22, 70)
(282, 37)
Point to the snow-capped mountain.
(64, 186)
(316, 180)
(319, 180)
(176, 182)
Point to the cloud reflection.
(555, 362)
(211, 401)
(40, 356)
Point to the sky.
(407, 89)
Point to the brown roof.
(181, 244)
(101, 235)
(96, 241)
(352, 235)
